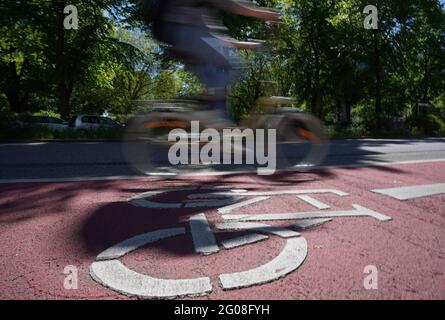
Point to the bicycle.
(300, 138)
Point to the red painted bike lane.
(45, 227)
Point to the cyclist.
(197, 38)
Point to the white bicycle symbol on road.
(110, 272)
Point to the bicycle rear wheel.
(302, 143)
(146, 146)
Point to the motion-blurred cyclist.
(197, 38)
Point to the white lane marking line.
(132, 244)
(113, 274)
(288, 260)
(370, 163)
(258, 227)
(377, 164)
(289, 192)
(18, 144)
(314, 202)
(413, 192)
(239, 205)
(203, 237)
(243, 240)
(76, 179)
(358, 212)
(307, 224)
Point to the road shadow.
(380, 153)
(115, 222)
(24, 201)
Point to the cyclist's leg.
(206, 57)
(217, 73)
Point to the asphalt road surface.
(368, 225)
(77, 160)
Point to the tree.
(21, 51)
(421, 50)
(90, 53)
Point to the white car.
(51, 123)
(87, 122)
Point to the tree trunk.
(63, 90)
(378, 81)
(64, 95)
(345, 113)
(316, 88)
(426, 79)
(316, 100)
(17, 99)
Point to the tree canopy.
(321, 55)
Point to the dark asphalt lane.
(106, 159)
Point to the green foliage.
(362, 82)
(47, 113)
(353, 78)
(430, 125)
(42, 133)
(342, 132)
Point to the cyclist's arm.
(245, 9)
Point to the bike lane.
(46, 227)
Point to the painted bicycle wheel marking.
(287, 261)
(114, 275)
(110, 272)
(134, 243)
(142, 200)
